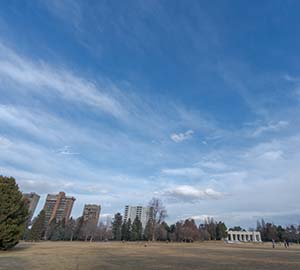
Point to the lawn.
(116, 255)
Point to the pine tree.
(38, 227)
(59, 231)
(117, 227)
(128, 229)
(13, 213)
(148, 232)
(136, 230)
(124, 231)
(50, 229)
(221, 231)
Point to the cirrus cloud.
(187, 193)
(179, 137)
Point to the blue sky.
(195, 102)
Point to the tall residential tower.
(143, 213)
(58, 207)
(32, 200)
(91, 213)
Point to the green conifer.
(13, 213)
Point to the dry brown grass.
(113, 255)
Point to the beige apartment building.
(58, 207)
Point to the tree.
(13, 213)
(179, 236)
(58, 232)
(148, 232)
(190, 231)
(70, 229)
(221, 231)
(210, 226)
(162, 232)
(203, 232)
(117, 227)
(50, 228)
(136, 230)
(124, 231)
(38, 227)
(128, 230)
(100, 232)
(88, 230)
(237, 228)
(158, 214)
(78, 228)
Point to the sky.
(194, 102)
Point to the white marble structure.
(243, 236)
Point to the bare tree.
(158, 214)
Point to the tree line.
(14, 218)
(270, 231)
(181, 231)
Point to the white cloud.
(179, 137)
(272, 155)
(214, 165)
(291, 78)
(42, 78)
(188, 172)
(66, 150)
(188, 193)
(4, 142)
(271, 127)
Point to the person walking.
(273, 243)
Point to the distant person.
(285, 243)
(273, 243)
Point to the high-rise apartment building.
(58, 207)
(91, 213)
(32, 200)
(143, 213)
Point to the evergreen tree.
(59, 231)
(38, 227)
(221, 231)
(50, 229)
(128, 230)
(13, 213)
(124, 231)
(117, 227)
(136, 230)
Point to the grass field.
(113, 255)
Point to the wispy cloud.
(186, 172)
(188, 193)
(42, 78)
(4, 142)
(213, 165)
(291, 78)
(270, 127)
(179, 137)
(66, 150)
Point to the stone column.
(258, 237)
